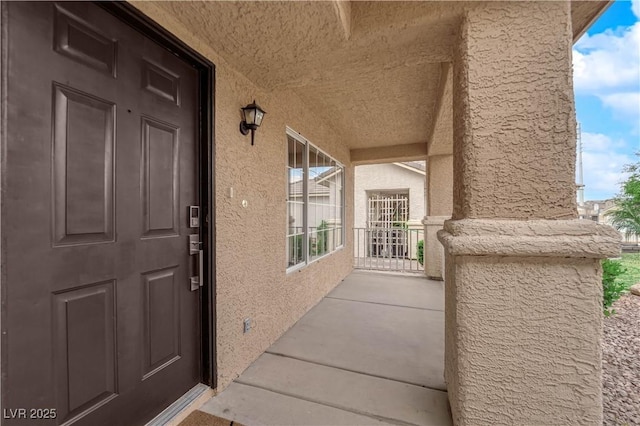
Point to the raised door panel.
(76, 39)
(160, 178)
(84, 348)
(83, 158)
(161, 319)
(161, 81)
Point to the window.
(315, 202)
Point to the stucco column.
(433, 250)
(439, 186)
(523, 292)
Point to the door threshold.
(183, 406)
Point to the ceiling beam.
(389, 154)
(437, 107)
(343, 11)
(440, 141)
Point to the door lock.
(194, 243)
(195, 247)
(194, 216)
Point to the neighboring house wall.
(388, 178)
(321, 201)
(250, 259)
(596, 210)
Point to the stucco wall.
(513, 112)
(555, 385)
(440, 185)
(523, 317)
(250, 258)
(387, 177)
(434, 266)
(439, 207)
(523, 303)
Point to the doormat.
(200, 418)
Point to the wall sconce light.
(252, 116)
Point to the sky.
(606, 80)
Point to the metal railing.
(387, 249)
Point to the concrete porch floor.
(371, 352)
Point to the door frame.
(206, 185)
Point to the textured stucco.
(440, 185)
(583, 13)
(385, 154)
(333, 53)
(536, 238)
(439, 181)
(251, 279)
(434, 265)
(404, 99)
(513, 112)
(522, 341)
(305, 47)
(441, 139)
(523, 329)
(523, 302)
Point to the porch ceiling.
(373, 70)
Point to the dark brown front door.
(100, 325)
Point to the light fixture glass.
(259, 114)
(252, 116)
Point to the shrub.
(296, 255)
(612, 288)
(322, 240)
(421, 252)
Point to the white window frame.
(305, 209)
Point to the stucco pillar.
(439, 186)
(523, 292)
(433, 249)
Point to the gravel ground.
(621, 363)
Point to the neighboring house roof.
(415, 166)
(318, 185)
(315, 188)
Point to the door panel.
(83, 42)
(160, 174)
(101, 166)
(83, 158)
(161, 325)
(161, 81)
(84, 347)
